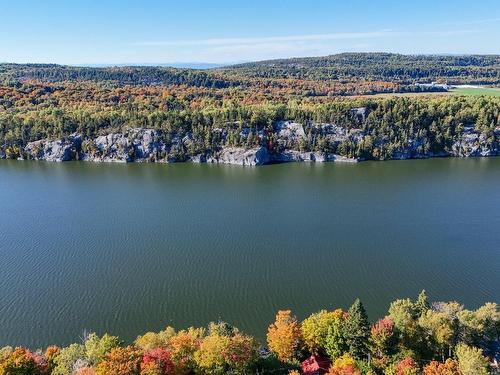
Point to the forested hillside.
(198, 113)
(380, 66)
(347, 66)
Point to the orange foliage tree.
(407, 366)
(24, 361)
(183, 346)
(283, 335)
(121, 361)
(450, 367)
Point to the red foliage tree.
(161, 358)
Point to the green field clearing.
(488, 91)
(476, 91)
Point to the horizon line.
(179, 64)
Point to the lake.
(132, 248)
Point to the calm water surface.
(133, 248)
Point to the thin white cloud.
(222, 50)
(212, 42)
(273, 39)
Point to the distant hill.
(404, 69)
(377, 66)
(186, 65)
(134, 75)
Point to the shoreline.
(343, 160)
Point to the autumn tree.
(68, 358)
(86, 371)
(97, 347)
(22, 361)
(153, 340)
(50, 354)
(283, 336)
(471, 360)
(480, 327)
(344, 365)
(439, 330)
(335, 342)
(406, 366)
(404, 314)
(449, 367)
(489, 317)
(121, 361)
(315, 328)
(383, 341)
(183, 346)
(240, 353)
(157, 361)
(209, 356)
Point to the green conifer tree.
(422, 305)
(357, 330)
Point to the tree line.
(483, 69)
(415, 337)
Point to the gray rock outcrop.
(473, 143)
(241, 156)
(56, 150)
(149, 145)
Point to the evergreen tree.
(357, 330)
(422, 305)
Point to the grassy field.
(488, 91)
(476, 91)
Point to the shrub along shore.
(415, 337)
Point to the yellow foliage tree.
(471, 360)
(314, 329)
(153, 340)
(344, 365)
(209, 357)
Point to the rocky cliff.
(149, 145)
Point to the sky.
(89, 32)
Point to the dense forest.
(484, 69)
(415, 337)
(480, 69)
(200, 112)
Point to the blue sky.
(153, 31)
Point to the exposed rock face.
(340, 158)
(136, 145)
(57, 150)
(148, 145)
(289, 130)
(292, 155)
(333, 132)
(472, 143)
(359, 113)
(241, 156)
